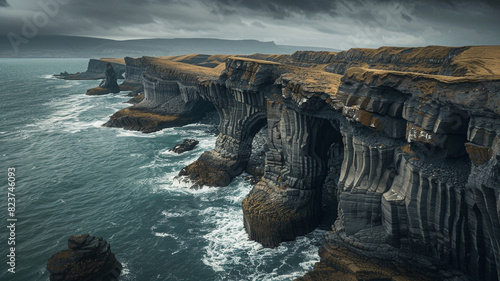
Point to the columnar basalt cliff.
(238, 95)
(397, 148)
(134, 71)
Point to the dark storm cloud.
(329, 23)
(3, 3)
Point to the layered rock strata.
(87, 258)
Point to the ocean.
(74, 177)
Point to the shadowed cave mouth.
(257, 161)
(254, 143)
(328, 147)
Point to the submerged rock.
(87, 258)
(187, 145)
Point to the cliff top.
(367, 75)
(426, 68)
(254, 60)
(170, 68)
(112, 60)
(479, 61)
(312, 81)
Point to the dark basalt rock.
(186, 145)
(108, 85)
(211, 170)
(87, 258)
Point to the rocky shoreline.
(397, 148)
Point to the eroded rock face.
(87, 258)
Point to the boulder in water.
(187, 145)
(87, 258)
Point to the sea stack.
(87, 258)
(108, 85)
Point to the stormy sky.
(337, 24)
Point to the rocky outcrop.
(96, 69)
(186, 145)
(87, 258)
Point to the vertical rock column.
(483, 196)
(287, 202)
(367, 172)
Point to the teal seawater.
(74, 177)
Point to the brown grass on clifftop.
(172, 68)
(479, 61)
(314, 81)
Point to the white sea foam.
(230, 249)
(69, 115)
(125, 269)
(162, 234)
(68, 84)
(48, 76)
(177, 214)
(135, 134)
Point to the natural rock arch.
(287, 203)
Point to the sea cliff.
(397, 149)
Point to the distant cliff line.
(60, 46)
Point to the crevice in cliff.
(332, 149)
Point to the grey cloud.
(329, 23)
(4, 3)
